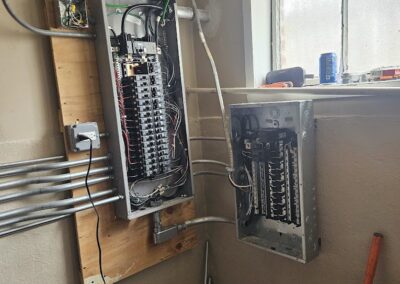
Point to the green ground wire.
(164, 10)
(116, 6)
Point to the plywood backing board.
(127, 246)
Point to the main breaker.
(142, 88)
(273, 146)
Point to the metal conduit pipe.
(42, 31)
(55, 178)
(210, 162)
(162, 234)
(51, 189)
(212, 173)
(187, 13)
(60, 212)
(53, 204)
(33, 225)
(30, 162)
(203, 220)
(183, 13)
(49, 166)
(204, 138)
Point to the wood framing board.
(127, 246)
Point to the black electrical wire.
(156, 33)
(133, 7)
(95, 209)
(112, 31)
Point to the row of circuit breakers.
(145, 113)
(273, 145)
(144, 104)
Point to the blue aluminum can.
(327, 68)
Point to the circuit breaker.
(142, 88)
(273, 146)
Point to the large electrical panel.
(273, 146)
(143, 93)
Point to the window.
(365, 32)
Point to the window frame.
(257, 46)
(276, 40)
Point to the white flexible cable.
(217, 85)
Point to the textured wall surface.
(357, 181)
(357, 171)
(29, 129)
(357, 166)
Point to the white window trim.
(344, 50)
(257, 46)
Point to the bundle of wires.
(156, 15)
(72, 18)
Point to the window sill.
(331, 92)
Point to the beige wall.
(357, 179)
(29, 129)
(357, 172)
(357, 164)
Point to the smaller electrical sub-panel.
(273, 146)
(143, 94)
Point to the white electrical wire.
(178, 122)
(250, 200)
(214, 162)
(217, 85)
(237, 185)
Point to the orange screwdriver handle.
(373, 258)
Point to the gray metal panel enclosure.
(289, 235)
(112, 115)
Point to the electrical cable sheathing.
(217, 85)
(89, 194)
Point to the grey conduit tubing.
(60, 212)
(33, 225)
(212, 173)
(203, 220)
(42, 31)
(49, 166)
(55, 178)
(187, 13)
(51, 189)
(203, 138)
(210, 162)
(53, 204)
(30, 162)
